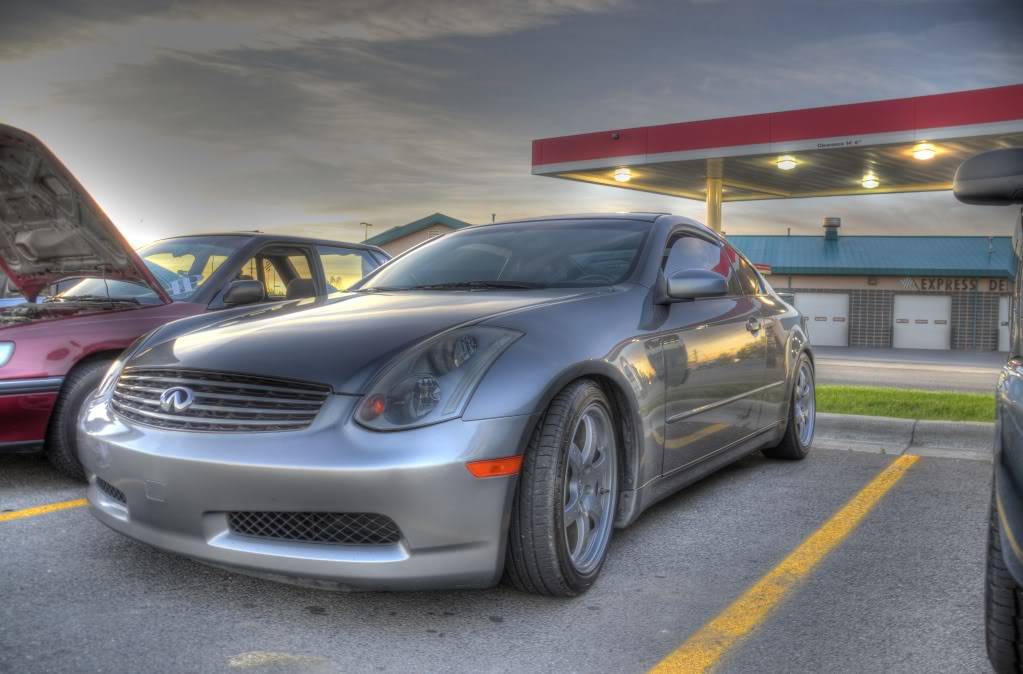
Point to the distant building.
(399, 239)
(924, 292)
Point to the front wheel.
(1003, 606)
(61, 439)
(564, 508)
(795, 444)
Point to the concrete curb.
(884, 435)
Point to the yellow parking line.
(708, 645)
(42, 510)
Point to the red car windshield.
(181, 265)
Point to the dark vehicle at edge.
(995, 178)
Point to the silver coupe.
(492, 403)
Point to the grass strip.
(906, 403)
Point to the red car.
(55, 350)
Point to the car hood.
(342, 340)
(51, 228)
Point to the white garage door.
(827, 317)
(922, 322)
(1003, 323)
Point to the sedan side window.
(342, 267)
(748, 276)
(690, 252)
(284, 272)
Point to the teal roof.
(413, 227)
(881, 255)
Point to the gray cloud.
(314, 116)
(32, 26)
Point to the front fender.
(527, 378)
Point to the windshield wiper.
(477, 285)
(94, 298)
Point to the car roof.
(266, 237)
(656, 219)
(640, 216)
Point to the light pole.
(367, 225)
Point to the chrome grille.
(222, 402)
(341, 528)
(111, 491)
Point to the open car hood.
(50, 228)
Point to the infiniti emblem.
(176, 399)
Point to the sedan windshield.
(555, 254)
(181, 265)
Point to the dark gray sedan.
(494, 402)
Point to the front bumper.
(25, 409)
(178, 487)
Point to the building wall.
(404, 243)
(974, 317)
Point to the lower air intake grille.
(341, 528)
(111, 491)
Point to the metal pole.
(714, 203)
(366, 225)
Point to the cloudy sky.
(311, 116)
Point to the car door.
(715, 357)
(772, 393)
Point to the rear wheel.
(1003, 606)
(61, 439)
(564, 508)
(795, 444)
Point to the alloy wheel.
(805, 402)
(591, 476)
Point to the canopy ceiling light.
(786, 163)
(623, 175)
(870, 181)
(923, 151)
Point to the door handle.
(753, 325)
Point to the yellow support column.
(714, 203)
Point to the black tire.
(1003, 606)
(791, 447)
(537, 559)
(61, 439)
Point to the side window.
(284, 272)
(342, 267)
(690, 252)
(748, 277)
(213, 263)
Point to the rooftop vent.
(831, 226)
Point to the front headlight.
(6, 351)
(432, 381)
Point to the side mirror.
(243, 292)
(695, 283)
(992, 178)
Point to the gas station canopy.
(900, 145)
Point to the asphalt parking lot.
(904, 591)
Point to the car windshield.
(181, 265)
(527, 255)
